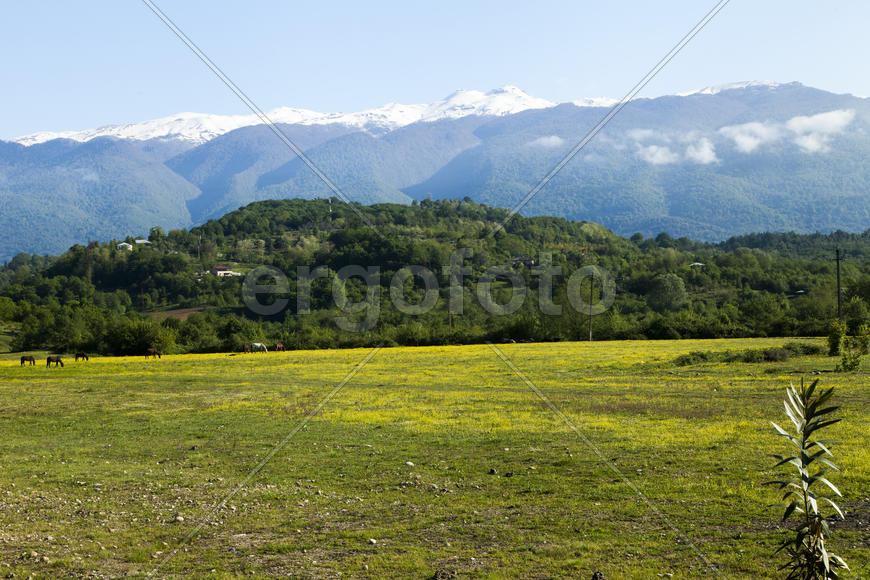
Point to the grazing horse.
(53, 359)
(279, 347)
(152, 352)
(82, 355)
(259, 347)
(28, 359)
(247, 348)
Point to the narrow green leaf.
(829, 463)
(791, 415)
(789, 510)
(831, 485)
(835, 506)
(793, 399)
(840, 561)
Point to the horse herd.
(261, 347)
(149, 353)
(52, 359)
(58, 361)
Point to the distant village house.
(223, 272)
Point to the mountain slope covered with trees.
(106, 298)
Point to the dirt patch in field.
(857, 517)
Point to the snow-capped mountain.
(194, 127)
(716, 89)
(198, 128)
(718, 161)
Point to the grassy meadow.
(430, 462)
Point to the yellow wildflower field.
(511, 460)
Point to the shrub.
(803, 348)
(694, 357)
(836, 334)
(750, 355)
(863, 339)
(776, 354)
(806, 545)
(851, 354)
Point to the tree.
(668, 293)
(7, 308)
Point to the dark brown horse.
(27, 359)
(82, 355)
(247, 348)
(53, 359)
(279, 347)
(152, 352)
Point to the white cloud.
(830, 122)
(701, 152)
(810, 133)
(653, 146)
(657, 155)
(749, 136)
(813, 133)
(551, 141)
(812, 143)
(641, 134)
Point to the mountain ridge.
(721, 161)
(199, 128)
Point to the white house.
(223, 271)
(125, 246)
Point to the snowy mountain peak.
(595, 102)
(197, 128)
(193, 127)
(716, 89)
(498, 102)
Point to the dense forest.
(117, 299)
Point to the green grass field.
(442, 455)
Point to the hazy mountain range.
(720, 161)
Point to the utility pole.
(591, 287)
(91, 260)
(838, 259)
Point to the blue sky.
(79, 65)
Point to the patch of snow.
(198, 127)
(595, 102)
(716, 89)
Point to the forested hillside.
(103, 298)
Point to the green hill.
(105, 299)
